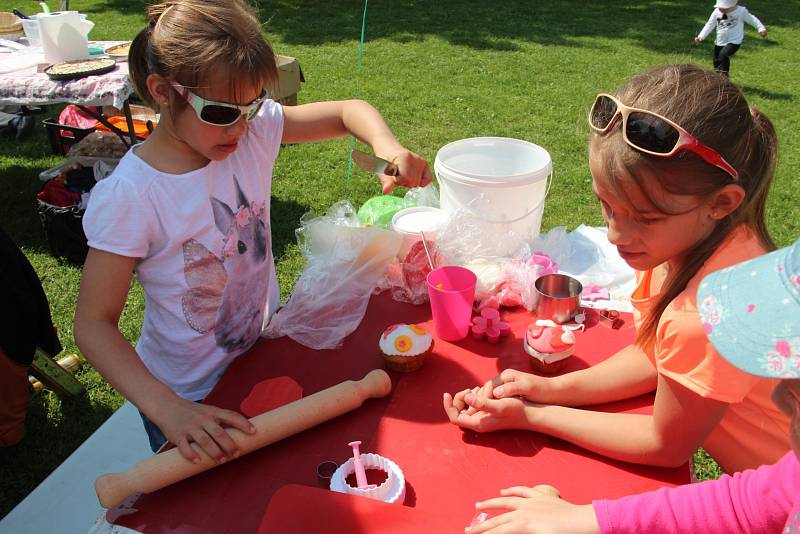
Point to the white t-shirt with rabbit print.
(203, 253)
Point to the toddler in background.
(729, 20)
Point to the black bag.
(63, 227)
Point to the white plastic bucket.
(498, 180)
(409, 222)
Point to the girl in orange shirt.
(681, 166)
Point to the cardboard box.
(289, 78)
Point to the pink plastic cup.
(451, 290)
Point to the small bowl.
(558, 297)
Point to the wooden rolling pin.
(170, 466)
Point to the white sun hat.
(726, 3)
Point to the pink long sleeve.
(760, 500)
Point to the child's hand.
(487, 415)
(185, 422)
(513, 383)
(697, 40)
(763, 33)
(532, 511)
(412, 171)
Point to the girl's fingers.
(480, 403)
(500, 503)
(493, 525)
(427, 177)
(223, 440)
(236, 420)
(387, 182)
(510, 387)
(547, 490)
(210, 447)
(458, 399)
(187, 451)
(451, 410)
(518, 491)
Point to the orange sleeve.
(684, 354)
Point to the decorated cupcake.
(549, 344)
(404, 347)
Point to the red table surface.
(446, 468)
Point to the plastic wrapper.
(422, 196)
(466, 238)
(379, 210)
(505, 266)
(509, 282)
(344, 263)
(407, 279)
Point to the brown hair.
(714, 110)
(189, 40)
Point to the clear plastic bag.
(422, 196)
(344, 263)
(379, 210)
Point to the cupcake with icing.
(549, 344)
(404, 347)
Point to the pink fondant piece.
(595, 292)
(546, 339)
(493, 335)
(270, 394)
(490, 314)
(489, 326)
(504, 328)
(478, 333)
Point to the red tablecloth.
(446, 468)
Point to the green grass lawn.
(439, 71)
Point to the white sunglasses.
(219, 113)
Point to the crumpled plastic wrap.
(406, 279)
(379, 210)
(344, 262)
(509, 282)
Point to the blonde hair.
(715, 111)
(190, 40)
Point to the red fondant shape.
(270, 394)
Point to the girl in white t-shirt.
(188, 210)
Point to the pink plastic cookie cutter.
(489, 326)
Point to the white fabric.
(593, 260)
(730, 30)
(204, 254)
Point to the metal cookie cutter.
(610, 318)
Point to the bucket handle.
(536, 207)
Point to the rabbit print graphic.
(228, 294)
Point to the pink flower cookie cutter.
(489, 326)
